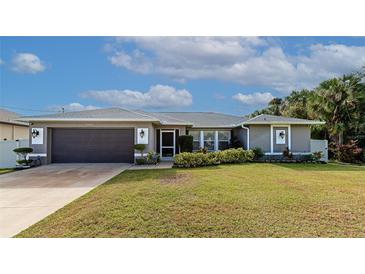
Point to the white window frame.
(199, 137)
(272, 138)
(217, 138)
(214, 139)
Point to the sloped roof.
(194, 119)
(9, 117)
(206, 119)
(106, 114)
(272, 119)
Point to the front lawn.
(245, 200)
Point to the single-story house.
(10, 128)
(108, 135)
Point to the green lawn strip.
(6, 170)
(246, 200)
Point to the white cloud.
(257, 98)
(27, 63)
(157, 96)
(1, 62)
(247, 61)
(72, 107)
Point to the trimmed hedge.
(187, 159)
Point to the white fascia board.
(89, 120)
(285, 123)
(214, 127)
(177, 124)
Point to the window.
(223, 139)
(209, 140)
(196, 139)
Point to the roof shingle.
(194, 119)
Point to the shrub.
(349, 153)
(23, 150)
(258, 153)
(141, 160)
(307, 157)
(202, 150)
(140, 148)
(186, 143)
(187, 159)
(23, 153)
(316, 156)
(198, 159)
(152, 157)
(235, 155)
(287, 154)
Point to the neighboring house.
(10, 129)
(108, 135)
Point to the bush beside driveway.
(244, 200)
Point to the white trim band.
(37, 154)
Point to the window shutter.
(157, 141)
(177, 147)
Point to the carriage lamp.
(141, 133)
(35, 133)
(282, 135)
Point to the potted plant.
(141, 160)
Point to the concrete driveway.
(28, 196)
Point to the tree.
(275, 105)
(23, 152)
(338, 101)
(295, 105)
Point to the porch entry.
(168, 146)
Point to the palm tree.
(337, 101)
(275, 104)
(295, 105)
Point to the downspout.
(248, 136)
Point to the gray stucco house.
(108, 135)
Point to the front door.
(167, 141)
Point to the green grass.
(247, 200)
(6, 170)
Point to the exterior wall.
(44, 150)
(300, 138)
(240, 134)
(20, 132)
(13, 132)
(260, 137)
(6, 132)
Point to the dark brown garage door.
(92, 145)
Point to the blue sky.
(234, 75)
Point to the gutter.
(248, 136)
(85, 120)
(285, 123)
